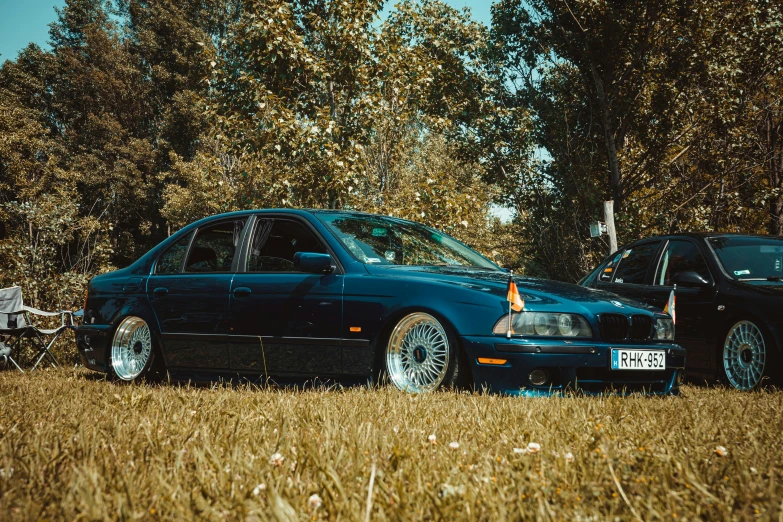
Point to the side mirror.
(313, 263)
(690, 279)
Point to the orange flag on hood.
(517, 304)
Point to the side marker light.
(485, 360)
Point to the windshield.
(386, 241)
(749, 258)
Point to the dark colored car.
(729, 298)
(293, 294)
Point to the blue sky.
(25, 21)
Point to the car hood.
(538, 294)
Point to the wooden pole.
(610, 230)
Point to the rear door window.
(633, 264)
(214, 247)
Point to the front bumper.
(92, 341)
(576, 365)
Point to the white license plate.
(638, 360)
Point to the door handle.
(160, 292)
(242, 291)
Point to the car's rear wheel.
(421, 354)
(133, 353)
(745, 356)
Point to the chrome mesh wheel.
(131, 348)
(417, 355)
(744, 355)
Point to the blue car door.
(189, 292)
(283, 321)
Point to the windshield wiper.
(774, 278)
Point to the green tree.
(670, 108)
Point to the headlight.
(545, 324)
(664, 329)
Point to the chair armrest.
(40, 312)
(66, 316)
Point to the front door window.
(275, 242)
(681, 256)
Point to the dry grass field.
(75, 447)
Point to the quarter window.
(171, 260)
(634, 262)
(275, 242)
(214, 247)
(681, 256)
(607, 271)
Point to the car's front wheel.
(133, 354)
(745, 356)
(421, 354)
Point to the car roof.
(692, 235)
(704, 235)
(300, 211)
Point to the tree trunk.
(775, 151)
(610, 230)
(332, 196)
(611, 145)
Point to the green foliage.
(673, 109)
(154, 114)
(52, 256)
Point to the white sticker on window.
(741, 272)
(372, 260)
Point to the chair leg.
(14, 346)
(52, 359)
(38, 361)
(44, 351)
(8, 358)
(14, 363)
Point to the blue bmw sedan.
(300, 294)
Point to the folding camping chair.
(15, 324)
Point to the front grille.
(641, 327)
(614, 327)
